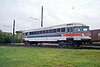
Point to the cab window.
(85, 29)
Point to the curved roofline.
(59, 26)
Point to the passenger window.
(46, 31)
(30, 33)
(54, 30)
(43, 32)
(40, 32)
(58, 30)
(71, 29)
(33, 32)
(37, 32)
(62, 29)
(68, 29)
(26, 33)
(50, 31)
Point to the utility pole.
(41, 16)
(13, 31)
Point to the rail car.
(73, 34)
(95, 35)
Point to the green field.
(48, 57)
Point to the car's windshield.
(80, 29)
(85, 29)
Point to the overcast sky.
(27, 13)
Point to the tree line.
(8, 37)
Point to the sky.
(27, 13)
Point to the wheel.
(34, 43)
(62, 44)
(26, 43)
(30, 43)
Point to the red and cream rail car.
(95, 35)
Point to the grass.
(48, 57)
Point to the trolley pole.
(13, 31)
(41, 16)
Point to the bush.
(7, 37)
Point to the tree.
(18, 38)
(5, 37)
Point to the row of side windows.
(46, 31)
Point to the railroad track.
(90, 47)
(52, 46)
